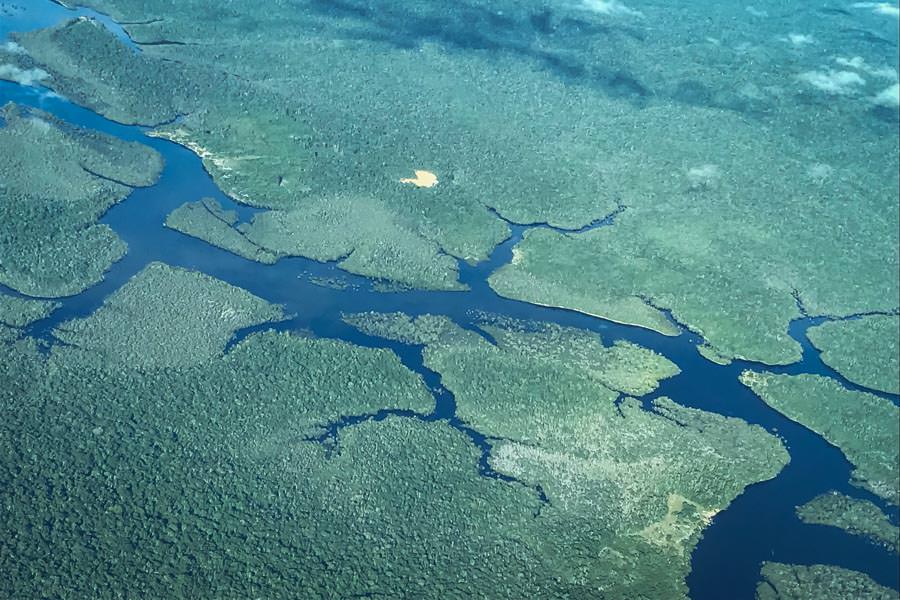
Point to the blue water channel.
(760, 525)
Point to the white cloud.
(858, 63)
(703, 176)
(880, 8)
(887, 9)
(888, 97)
(13, 48)
(799, 39)
(610, 7)
(833, 82)
(819, 172)
(40, 124)
(23, 76)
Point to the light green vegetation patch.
(704, 237)
(164, 317)
(710, 354)
(205, 219)
(801, 582)
(864, 350)
(328, 124)
(20, 312)
(623, 367)
(743, 182)
(56, 181)
(333, 283)
(632, 488)
(363, 234)
(637, 485)
(859, 517)
(863, 426)
(127, 94)
(425, 329)
(207, 469)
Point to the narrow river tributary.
(758, 526)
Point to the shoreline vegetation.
(799, 582)
(864, 350)
(861, 425)
(858, 517)
(137, 441)
(223, 460)
(562, 408)
(728, 263)
(58, 181)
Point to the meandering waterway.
(759, 525)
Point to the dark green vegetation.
(363, 234)
(862, 425)
(82, 76)
(637, 486)
(16, 313)
(714, 247)
(554, 113)
(200, 476)
(196, 479)
(863, 350)
(163, 317)
(327, 162)
(19, 312)
(859, 517)
(800, 582)
(358, 232)
(170, 467)
(56, 181)
(207, 220)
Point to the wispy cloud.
(888, 97)
(840, 83)
(610, 7)
(23, 76)
(13, 48)
(881, 8)
(799, 39)
(859, 63)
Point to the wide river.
(758, 526)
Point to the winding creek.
(759, 525)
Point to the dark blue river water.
(759, 525)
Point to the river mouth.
(760, 525)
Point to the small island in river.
(360, 298)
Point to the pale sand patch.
(672, 533)
(424, 179)
(222, 163)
